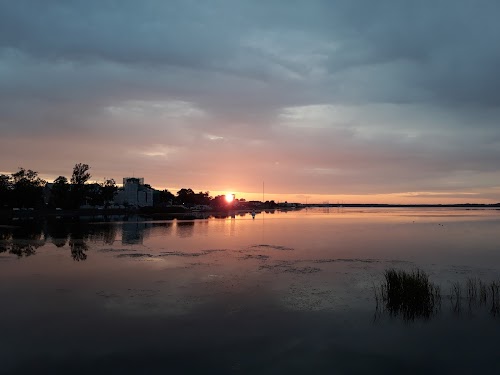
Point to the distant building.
(134, 193)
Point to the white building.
(134, 193)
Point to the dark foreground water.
(282, 293)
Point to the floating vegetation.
(190, 254)
(111, 250)
(209, 251)
(287, 267)
(279, 266)
(135, 255)
(346, 260)
(106, 295)
(302, 270)
(182, 254)
(255, 256)
(274, 247)
(409, 295)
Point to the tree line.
(25, 189)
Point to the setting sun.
(229, 197)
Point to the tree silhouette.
(108, 191)
(219, 201)
(78, 179)
(164, 198)
(93, 194)
(186, 196)
(6, 188)
(80, 174)
(59, 195)
(27, 188)
(203, 198)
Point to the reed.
(410, 295)
(472, 289)
(456, 297)
(483, 293)
(479, 293)
(495, 298)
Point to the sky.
(348, 101)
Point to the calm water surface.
(286, 292)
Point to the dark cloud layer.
(319, 97)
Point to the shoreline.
(175, 212)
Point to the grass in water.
(456, 297)
(409, 295)
(479, 293)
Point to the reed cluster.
(409, 295)
(476, 293)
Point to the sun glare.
(229, 197)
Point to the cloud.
(327, 97)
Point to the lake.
(281, 293)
